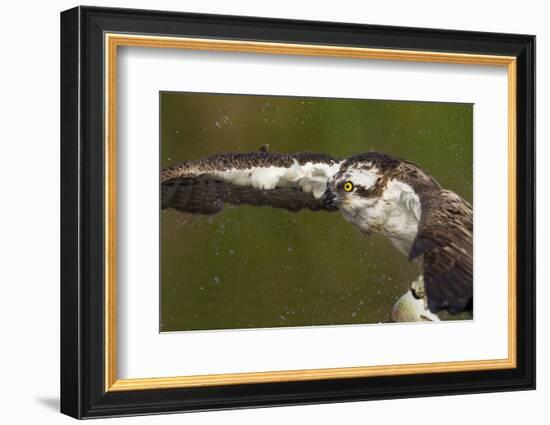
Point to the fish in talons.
(413, 305)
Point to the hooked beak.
(328, 200)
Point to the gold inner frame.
(113, 41)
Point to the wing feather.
(289, 181)
(445, 240)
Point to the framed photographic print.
(261, 212)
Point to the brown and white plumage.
(289, 181)
(445, 241)
(388, 195)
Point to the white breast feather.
(403, 215)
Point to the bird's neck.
(395, 214)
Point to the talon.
(417, 289)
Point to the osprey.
(374, 191)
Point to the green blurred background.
(254, 267)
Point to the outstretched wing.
(445, 239)
(289, 181)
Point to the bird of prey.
(374, 191)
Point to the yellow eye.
(348, 186)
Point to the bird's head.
(358, 189)
(357, 185)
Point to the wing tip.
(453, 306)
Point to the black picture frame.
(83, 392)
